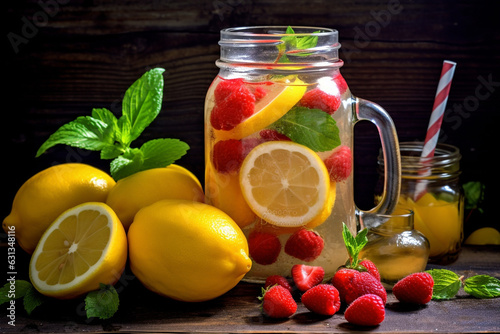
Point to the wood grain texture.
(65, 59)
(238, 311)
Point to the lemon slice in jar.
(285, 183)
(85, 246)
(281, 97)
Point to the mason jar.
(431, 188)
(279, 120)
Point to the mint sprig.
(291, 42)
(112, 136)
(354, 245)
(447, 284)
(313, 128)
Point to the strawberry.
(278, 280)
(414, 289)
(319, 99)
(305, 277)
(372, 269)
(341, 84)
(322, 299)
(367, 310)
(305, 245)
(339, 163)
(234, 103)
(353, 284)
(278, 302)
(264, 248)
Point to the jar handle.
(370, 111)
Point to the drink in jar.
(267, 172)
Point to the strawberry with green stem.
(354, 279)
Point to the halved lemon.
(85, 246)
(264, 226)
(280, 98)
(285, 183)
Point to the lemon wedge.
(280, 98)
(484, 236)
(285, 183)
(85, 246)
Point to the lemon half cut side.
(85, 246)
(285, 183)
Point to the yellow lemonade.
(439, 220)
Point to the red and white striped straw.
(440, 101)
(435, 121)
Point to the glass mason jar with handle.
(279, 121)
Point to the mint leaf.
(474, 195)
(446, 283)
(162, 152)
(482, 286)
(84, 132)
(102, 303)
(32, 299)
(354, 245)
(141, 104)
(313, 128)
(21, 289)
(13, 291)
(127, 164)
(155, 153)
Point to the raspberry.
(339, 163)
(278, 302)
(227, 155)
(264, 248)
(226, 88)
(341, 84)
(414, 289)
(372, 269)
(278, 280)
(269, 135)
(233, 104)
(322, 299)
(353, 284)
(319, 99)
(305, 245)
(305, 277)
(259, 92)
(367, 310)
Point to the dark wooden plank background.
(66, 57)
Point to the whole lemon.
(187, 250)
(47, 194)
(146, 187)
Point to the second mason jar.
(431, 188)
(279, 121)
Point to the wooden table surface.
(238, 311)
